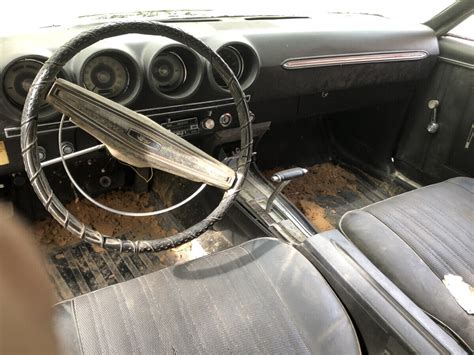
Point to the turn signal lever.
(283, 178)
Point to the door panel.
(431, 157)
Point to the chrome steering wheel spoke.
(72, 155)
(136, 139)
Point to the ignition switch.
(225, 120)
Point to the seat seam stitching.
(440, 242)
(430, 204)
(405, 242)
(427, 247)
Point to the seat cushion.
(260, 297)
(419, 237)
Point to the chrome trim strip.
(457, 62)
(192, 107)
(13, 132)
(356, 58)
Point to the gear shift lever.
(283, 178)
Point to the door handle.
(433, 126)
(469, 137)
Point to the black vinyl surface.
(260, 297)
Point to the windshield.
(23, 15)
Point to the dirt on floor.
(50, 233)
(322, 179)
(316, 215)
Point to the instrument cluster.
(171, 72)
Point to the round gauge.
(168, 71)
(18, 79)
(106, 76)
(234, 60)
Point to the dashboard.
(288, 67)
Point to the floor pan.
(329, 190)
(323, 195)
(76, 267)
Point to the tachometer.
(234, 60)
(169, 71)
(106, 76)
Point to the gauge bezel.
(251, 66)
(194, 72)
(183, 75)
(135, 80)
(45, 113)
(239, 58)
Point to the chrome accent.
(42, 153)
(457, 62)
(208, 123)
(275, 193)
(433, 125)
(398, 175)
(469, 137)
(110, 209)
(153, 145)
(192, 107)
(67, 148)
(356, 58)
(283, 178)
(72, 155)
(281, 217)
(225, 120)
(13, 132)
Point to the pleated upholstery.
(261, 297)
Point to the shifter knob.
(289, 174)
(283, 178)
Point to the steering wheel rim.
(46, 77)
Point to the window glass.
(20, 15)
(464, 30)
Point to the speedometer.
(106, 76)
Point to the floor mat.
(328, 191)
(76, 268)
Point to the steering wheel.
(131, 137)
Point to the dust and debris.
(325, 179)
(316, 215)
(322, 179)
(50, 233)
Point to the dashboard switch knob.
(225, 120)
(208, 123)
(67, 148)
(41, 153)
